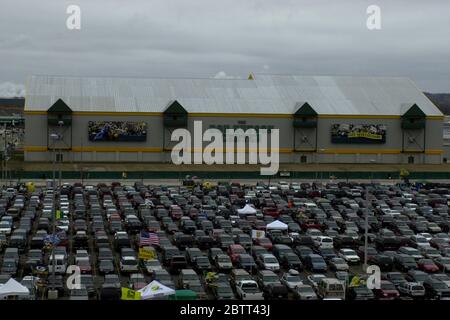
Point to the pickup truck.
(248, 290)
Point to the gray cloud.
(11, 90)
(199, 38)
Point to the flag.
(355, 281)
(148, 239)
(128, 294)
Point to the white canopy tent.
(155, 290)
(13, 288)
(247, 210)
(277, 225)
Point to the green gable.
(60, 107)
(175, 115)
(175, 108)
(414, 118)
(305, 110)
(414, 112)
(305, 116)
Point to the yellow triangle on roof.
(251, 77)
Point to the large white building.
(321, 119)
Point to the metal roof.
(267, 94)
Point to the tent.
(247, 210)
(277, 225)
(13, 288)
(183, 295)
(155, 290)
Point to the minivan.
(330, 288)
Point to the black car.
(246, 262)
(274, 291)
(201, 263)
(436, 289)
(222, 291)
(383, 261)
(405, 262)
(9, 266)
(106, 267)
(291, 261)
(360, 293)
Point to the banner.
(146, 254)
(117, 131)
(128, 294)
(256, 234)
(358, 133)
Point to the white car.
(323, 242)
(426, 235)
(81, 255)
(350, 256)
(5, 227)
(128, 264)
(248, 290)
(314, 279)
(338, 264)
(152, 265)
(291, 279)
(269, 262)
(305, 292)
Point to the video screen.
(117, 131)
(358, 133)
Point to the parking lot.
(287, 240)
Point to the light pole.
(366, 227)
(54, 137)
(60, 137)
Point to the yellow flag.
(145, 254)
(128, 294)
(355, 281)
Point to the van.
(323, 242)
(60, 264)
(330, 288)
(13, 212)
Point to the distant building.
(321, 119)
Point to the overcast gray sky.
(227, 38)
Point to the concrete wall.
(157, 139)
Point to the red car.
(427, 265)
(85, 266)
(234, 251)
(387, 291)
(264, 242)
(271, 211)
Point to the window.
(410, 159)
(59, 157)
(303, 159)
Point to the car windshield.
(439, 285)
(316, 260)
(270, 260)
(250, 287)
(223, 289)
(417, 288)
(420, 276)
(305, 290)
(387, 286)
(293, 279)
(271, 278)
